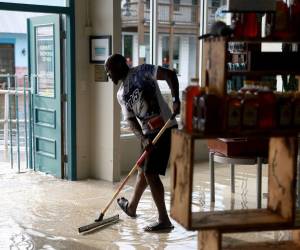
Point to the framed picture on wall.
(100, 48)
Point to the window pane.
(45, 60)
(62, 3)
(135, 37)
(7, 63)
(178, 45)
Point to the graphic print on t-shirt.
(139, 96)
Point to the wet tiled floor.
(38, 211)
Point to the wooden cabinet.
(283, 149)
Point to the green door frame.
(71, 79)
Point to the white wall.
(98, 113)
(105, 111)
(130, 150)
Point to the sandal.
(123, 204)
(159, 227)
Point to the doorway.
(39, 96)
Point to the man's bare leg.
(140, 186)
(158, 194)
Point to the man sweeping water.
(146, 112)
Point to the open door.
(46, 81)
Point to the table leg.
(259, 181)
(232, 180)
(212, 176)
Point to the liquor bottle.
(211, 109)
(233, 112)
(296, 110)
(196, 113)
(250, 106)
(237, 23)
(281, 30)
(269, 25)
(295, 18)
(284, 112)
(266, 111)
(187, 106)
(251, 25)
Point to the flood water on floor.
(38, 211)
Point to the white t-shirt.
(139, 96)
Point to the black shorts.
(157, 161)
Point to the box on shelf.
(239, 147)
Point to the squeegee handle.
(138, 163)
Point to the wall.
(98, 114)
(104, 107)
(130, 151)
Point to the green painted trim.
(31, 166)
(71, 91)
(35, 8)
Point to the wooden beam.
(282, 176)
(281, 245)
(238, 220)
(296, 236)
(209, 240)
(214, 59)
(181, 161)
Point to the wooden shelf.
(280, 213)
(278, 245)
(252, 40)
(244, 134)
(238, 220)
(261, 73)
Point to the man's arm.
(171, 78)
(136, 129)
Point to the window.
(176, 63)
(148, 4)
(128, 48)
(7, 63)
(176, 5)
(177, 43)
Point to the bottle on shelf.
(251, 25)
(250, 106)
(266, 111)
(233, 112)
(210, 112)
(237, 24)
(187, 106)
(268, 23)
(296, 110)
(281, 27)
(295, 19)
(284, 110)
